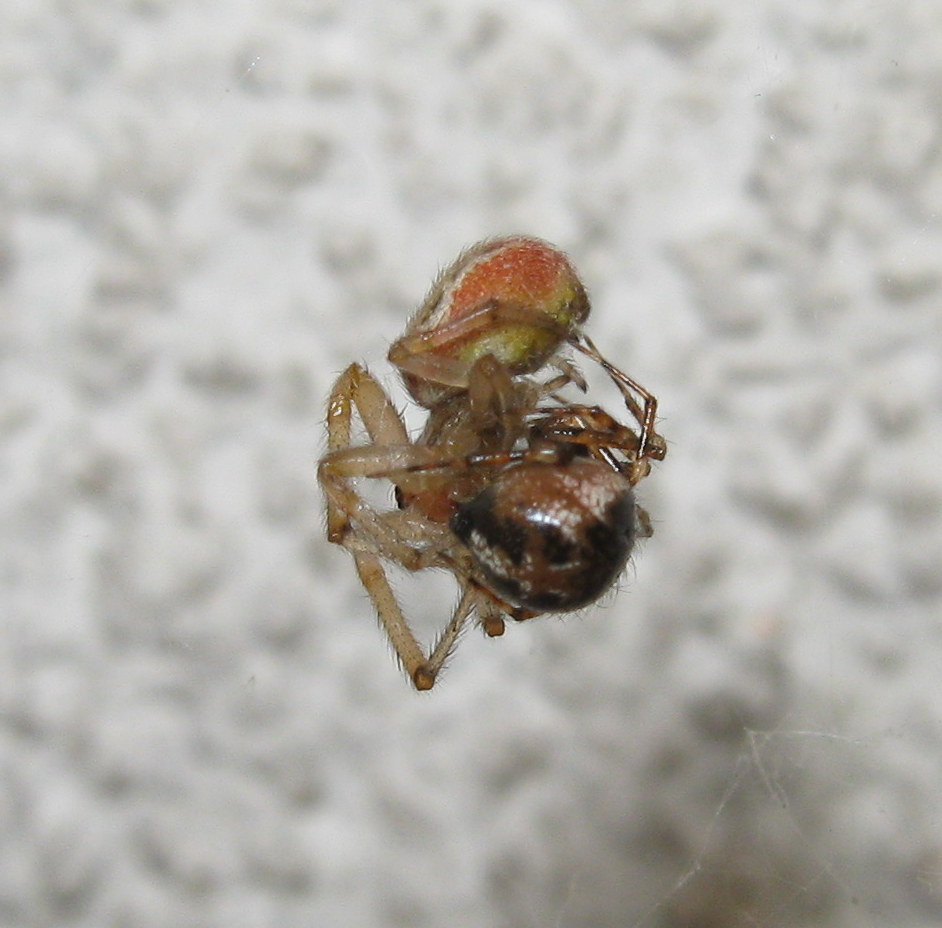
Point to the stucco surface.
(207, 210)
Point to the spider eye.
(549, 537)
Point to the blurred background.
(207, 210)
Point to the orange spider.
(527, 499)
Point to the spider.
(525, 498)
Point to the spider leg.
(412, 467)
(492, 619)
(568, 374)
(651, 444)
(422, 669)
(599, 433)
(355, 387)
(447, 639)
(387, 534)
(410, 653)
(496, 414)
(395, 462)
(493, 611)
(645, 528)
(410, 540)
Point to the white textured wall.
(208, 209)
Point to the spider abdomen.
(551, 537)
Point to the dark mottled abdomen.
(551, 537)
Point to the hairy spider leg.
(651, 444)
(397, 464)
(552, 433)
(598, 432)
(357, 388)
(496, 418)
